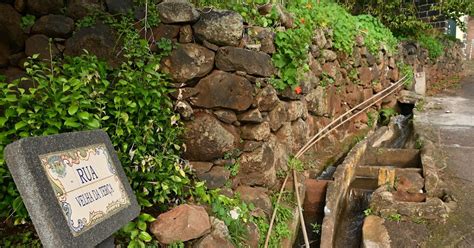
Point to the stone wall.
(222, 71)
(446, 67)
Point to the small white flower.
(234, 213)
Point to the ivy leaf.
(83, 115)
(20, 125)
(3, 120)
(93, 123)
(129, 227)
(141, 225)
(71, 123)
(73, 109)
(145, 236)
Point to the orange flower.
(309, 6)
(302, 20)
(298, 90)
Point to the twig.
(300, 210)
(267, 239)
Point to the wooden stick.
(300, 210)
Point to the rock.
(207, 139)
(78, 9)
(285, 135)
(186, 34)
(4, 54)
(331, 69)
(184, 109)
(219, 237)
(329, 55)
(365, 75)
(188, 61)
(20, 5)
(370, 59)
(165, 31)
(359, 40)
(297, 109)
(409, 181)
(253, 235)
(289, 93)
(54, 26)
(251, 116)
(267, 99)
(200, 167)
(10, 28)
(299, 129)
(319, 39)
(318, 102)
(278, 116)
(182, 223)
(99, 40)
(408, 197)
(220, 27)
(39, 44)
(256, 132)
(177, 11)
(225, 90)
(44, 7)
(210, 45)
(226, 116)
(184, 93)
(258, 167)
(374, 233)
(263, 36)
(119, 6)
(215, 178)
(257, 196)
(250, 145)
(239, 59)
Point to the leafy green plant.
(386, 114)
(137, 231)
(395, 217)
(368, 211)
(233, 168)
(295, 164)
(376, 34)
(432, 44)
(280, 229)
(27, 21)
(406, 70)
(316, 228)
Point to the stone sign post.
(73, 187)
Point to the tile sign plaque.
(86, 185)
(73, 187)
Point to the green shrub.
(432, 44)
(376, 34)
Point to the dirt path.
(452, 120)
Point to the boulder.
(258, 166)
(99, 40)
(374, 233)
(297, 109)
(410, 181)
(200, 167)
(184, 109)
(44, 7)
(318, 102)
(365, 75)
(220, 27)
(188, 61)
(219, 237)
(278, 116)
(54, 26)
(319, 39)
(119, 6)
(20, 5)
(177, 11)
(182, 223)
(207, 139)
(256, 132)
(267, 99)
(264, 37)
(78, 9)
(39, 44)
(215, 178)
(225, 90)
(10, 28)
(329, 55)
(251, 116)
(300, 134)
(239, 59)
(250, 145)
(165, 31)
(257, 196)
(186, 34)
(226, 116)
